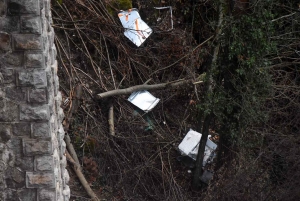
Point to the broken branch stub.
(111, 120)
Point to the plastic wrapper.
(143, 100)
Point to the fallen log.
(147, 87)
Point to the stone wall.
(32, 160)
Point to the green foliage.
(246, 82)
(56, 2)
(119, 5)
(123, 4)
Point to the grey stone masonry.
(32, 149)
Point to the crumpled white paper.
(136, 29)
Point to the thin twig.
(164, 68)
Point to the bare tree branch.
(77, 170)
(146, 87)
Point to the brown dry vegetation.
(139, 162)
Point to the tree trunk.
(209, 92)
(199, 162)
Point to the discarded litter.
(136, 29)
(206, 176)
(190, 145)
(171, 15)
(143, 100)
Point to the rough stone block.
(53, 54)
(52, 71)
(62, 149)
(2, 93)
(5, 132)
(34, 60)
(32, 77)
(67, 192)
(63, 163)
(56, 146)
(41, 130)
(60, 115)
(37, 96)
(9, 24)
(27, 194)
(45, 41)
(2, 105)
(8, 111)
(24, 163)
(59, 194)
(28, 113)
(47, 57)
(14, 178)
(20, 194)
(12, 60)
(21, 129)
(15, 93)
(31, 24)
(65, 176)
(41, 5)
(27, 42)
(14, 144)
(56, 85)
(44, 37)
(53, 124)
(17, 175)
(56, 157)
(17, 7)
(3, 165)
(58, 99)
(61, 133)
(47, 7)
(44, 25)
(2, 7)
(52, 106)
(44, 163)
(4, 41)
(57, 173)
(46, 195)
(58, 102)
(8, 76)
(51, 37)
(36, 147)
(49, 20)
(40, 180)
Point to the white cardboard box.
(190, 145)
